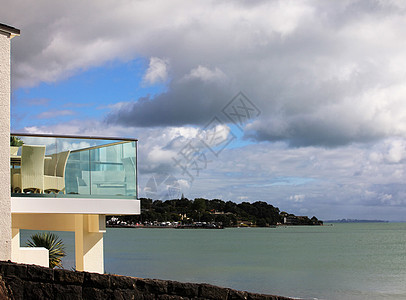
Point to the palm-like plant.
(15, 141)
(53, 243)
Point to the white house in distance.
(60, 183)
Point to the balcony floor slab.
(75, 206)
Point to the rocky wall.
(19, 281)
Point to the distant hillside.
(355, 221)
(184, 211)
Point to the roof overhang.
(8, 30)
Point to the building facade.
(75, 182)
(6, 34)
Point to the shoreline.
(208, 227)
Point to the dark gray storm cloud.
(188, 103)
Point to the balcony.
(71, 174)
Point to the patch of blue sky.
(89, 94)
(280, 181)
(234, 174)
(239, 141)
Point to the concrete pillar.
(6, 33)
(15, 245)
(89, 243)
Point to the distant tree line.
(228, 213)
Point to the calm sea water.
(343, 261)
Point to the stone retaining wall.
(19, 281)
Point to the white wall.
(5, 201)
(34, 256)
(28, 255)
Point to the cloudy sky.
(297, 103)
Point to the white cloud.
(184, 184)
(297, 198)
(397, 151)
(55, 114)
(157, 71)
(205, 74)
(157, 155)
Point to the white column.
(89, 243)
(6, 34)
(5, 201)
(15, 245)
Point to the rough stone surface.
(5, 200)
(68, 292)
(19, 281)
(4, 295)
(61, 276)
(208, 291)
(37, 273)
(96, 280)
(123, 282)
(188, 290)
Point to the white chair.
(31, 175)
(54, 180)
(50, 164)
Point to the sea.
(334, 261)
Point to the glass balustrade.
(71, 166)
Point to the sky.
(300, 104)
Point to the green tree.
(53, 243)
(261, 222)
(207, 217)
(146, 203)
(199, 205)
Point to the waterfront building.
(60, 183)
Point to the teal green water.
(343, 261)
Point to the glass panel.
(80, 167)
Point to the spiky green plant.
(53, 243)
(15, 141)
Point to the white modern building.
(6, 34)
(60, 183)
